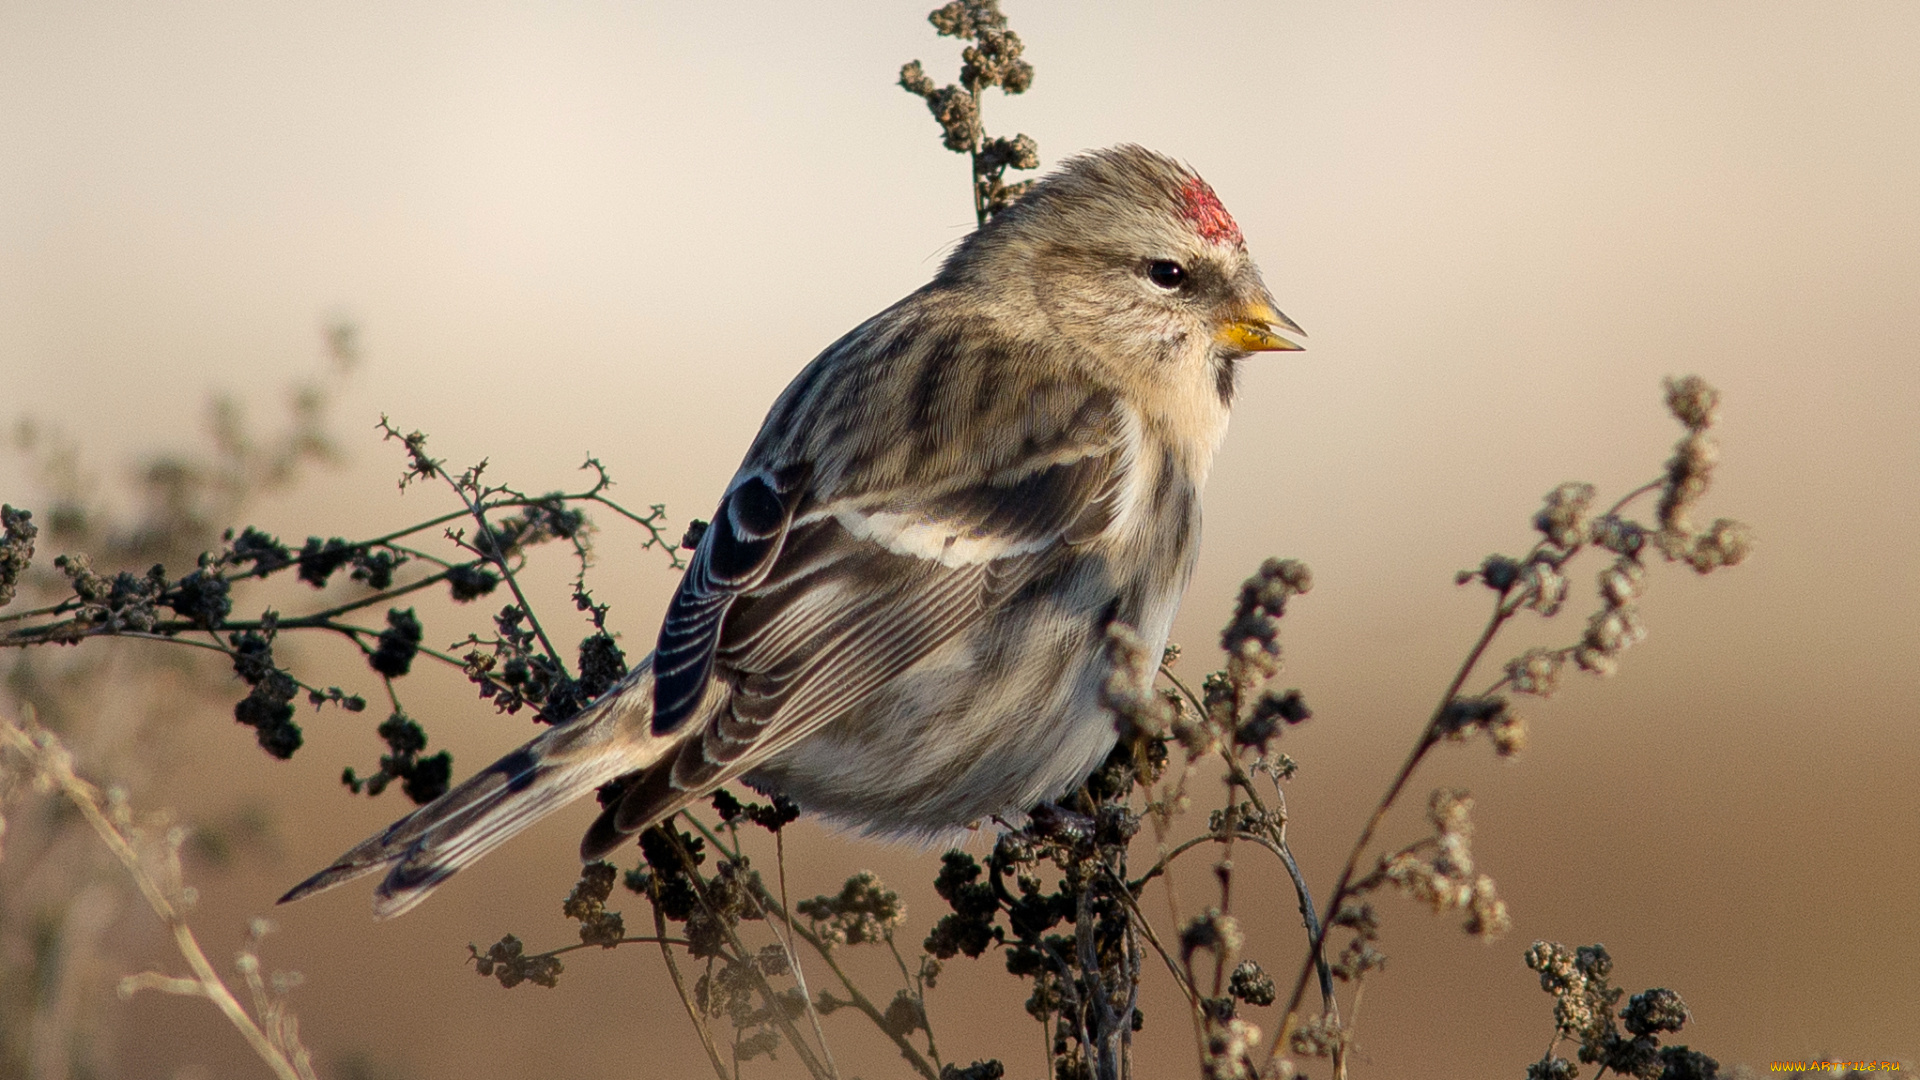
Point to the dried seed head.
(1229, 1050)
(1622, 582)
(1536, 671)
(1542, 588)
(1693, 402)
(1563, 520)
(1724, 543)
(1215, 931)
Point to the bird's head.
(1130, 258)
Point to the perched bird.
(898, 615)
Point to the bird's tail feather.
(611, 738)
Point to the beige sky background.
(621, 228)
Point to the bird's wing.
(798, 604)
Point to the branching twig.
(50, 763)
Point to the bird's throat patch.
(1199, 205)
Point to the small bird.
(898, 616)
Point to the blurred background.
(619, 229)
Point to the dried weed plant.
(1056, 898)
(149, 851)
(118, 706)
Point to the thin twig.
(1316, 932)
(680, 988)
(60, 608)
(778, 1014)
(1146, 927)
(1166, 861)
(50, 759)
(786, 946)
(918, 987)
(1504, 609)
(860, 1001)
(564, 949)
(1276, 842)
(165, 984)
(1429, 737)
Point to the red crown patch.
(1201, 206)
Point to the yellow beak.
(1253, 331)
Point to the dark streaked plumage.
(898, 614)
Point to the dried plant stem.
(1429, 736)
(565, 949)
(1153, 939)
(1166, 861)
(52, 764)
(1275, 840)
(814, 1065)
(34, 613)
(680, 988)
(166, 630)
(1307, 913)
(860, 1001)
(498, 558)
(1505, 609)
(793, 957)
(855, 998)
(1105, 1034)
(919, 989)
(165, 984)
(1161, 821)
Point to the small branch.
(860, 1001)
(779, 1016)
(786, 947)
(1185, 690)
(857, 999)
(1429, 737)
(564, 949)
(1307, 914)
(497, 557)
(51, 761)
(60, 608)
(1166, 860)
(1146, 927)
(165, 984)
(680, 988)
(1276, 842)
(320, 618)
(919, 989)
(1647, 488)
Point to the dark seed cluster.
(1583, 1010)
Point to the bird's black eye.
(1167, 275)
